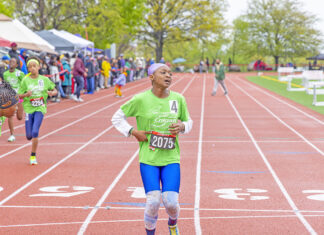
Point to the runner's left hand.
(176, 128)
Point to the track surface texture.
(253, 164)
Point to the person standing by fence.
(79, 71)
(219, 77)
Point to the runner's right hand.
(29, 93)
(140, 135)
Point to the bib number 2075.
(162, 141)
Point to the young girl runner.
(34, 90)
(14, 77)
(157, 112)
(120, 82)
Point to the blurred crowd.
(70, 71)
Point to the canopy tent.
(96, 50)
(317, 57)
(59, 43)
(77, 41)
(4, 43)
(15, 31)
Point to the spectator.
(201, 66)
(122, 61)
(106, 67)
(127, 66)
(162, 61)
(43, 66)
(4, 64)
(97, 73)
(114, 71)
(23, 59)
(61, 75)
(55, 77)
(67, 82)
(79, 71)
(207, 64)
(13, 52)
(101, 75)
(90, 75)
(132, 69)
(139, 67)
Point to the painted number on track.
(62, 191)
(318, 195)
(241, 194)
(138, 192)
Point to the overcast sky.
(238, 7)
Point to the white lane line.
(273, 173)
(281, 101)
(162, 208)
(85, 224)
(105, 195)
(280, 120)
(54, 166)
(76, 106)
(182, 141)
(199, 157)
(161, 219)
(72, 123)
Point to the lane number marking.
(138, 192)
(318, 195)
(241, 194)
(62, 191)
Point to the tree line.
(193, 29)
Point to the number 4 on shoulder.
(173, 106)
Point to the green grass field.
(280, 88)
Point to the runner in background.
(14, 77)
(34, 90)
(219, 77)
(120, 82)
(157, 113)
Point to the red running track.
(251, 165)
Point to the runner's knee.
(153, 200)
(171, 203)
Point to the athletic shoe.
(80, 99)
(225, 93)
(214, 93)
(173, 229)
(33, 160)
(11, 138)
(74, 98)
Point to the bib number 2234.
(162, 141)
(37, 102)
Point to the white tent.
(77, 41)
(15, 31)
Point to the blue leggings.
(32, 123)
(169, 176)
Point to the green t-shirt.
(14, 78)
(39, 87)
(157, 114)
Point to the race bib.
(37, 102)
(162, 141)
